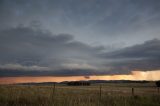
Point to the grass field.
(118, 94)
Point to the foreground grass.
(112, 95)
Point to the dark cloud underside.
(78, 37)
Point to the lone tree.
(158, 83)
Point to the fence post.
(100, 92)
(53, 91)
(132, 91)
(54, 88)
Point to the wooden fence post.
(132, 91)
(100, 92)
(53, 91)
(54, 88)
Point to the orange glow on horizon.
(135, 75)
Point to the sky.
(66, 38)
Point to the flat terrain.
(111, 94)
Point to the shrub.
(158, 83)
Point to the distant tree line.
(78, 83)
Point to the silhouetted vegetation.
(158, 83)
(78, 83)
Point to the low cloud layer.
(30, 49)
(145, 56)
(147, 50)
(135, 75)
(26, 51)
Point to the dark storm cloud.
(115, 21)
(31, 50)
(74, 31)
(126, 66)
(65, 72)
(35, 52)
(147, 50)
(21, 42)
(144, 56)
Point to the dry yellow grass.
(112, 95)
